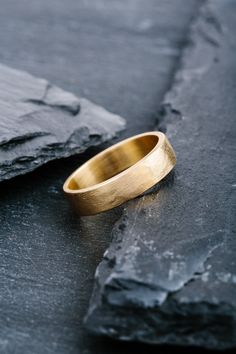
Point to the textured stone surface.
(40, 122)
(121, 55)
(169, 275)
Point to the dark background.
(121, 55)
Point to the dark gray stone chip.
(40, 122)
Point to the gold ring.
(120, 173)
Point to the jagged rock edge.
(170, 107)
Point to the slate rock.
(169, 275)
(107, 51)
(40, 122)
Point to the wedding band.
(120, 173)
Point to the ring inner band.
(112, 161)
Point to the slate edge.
(89, 133)
(206, 26)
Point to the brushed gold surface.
(120, 173)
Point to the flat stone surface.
(121, 55)
(169, 275)
(40, 122)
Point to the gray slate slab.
(40, 122)
(121, 55)
(169, 275)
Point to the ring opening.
(112, 162)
